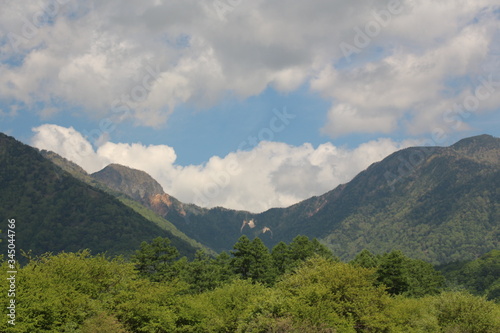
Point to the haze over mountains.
(440, 204)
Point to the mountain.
(55, 212)
(215, 228)
(139, 186)
(135, 183)
(125, 196)
(439, 204)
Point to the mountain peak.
(484, 148)
(477, 141)
(137, 184)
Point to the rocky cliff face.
(141, 187)
(135, 183)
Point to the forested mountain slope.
(56, 212)
(440, 204)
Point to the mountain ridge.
(413, 193)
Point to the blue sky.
(180, 88)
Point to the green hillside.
(143, 183)
(56, 212)
(440, 204)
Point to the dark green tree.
(252, 260)
(392, 272)
(423, 279)
(243, 259)
(263, 270)
(410, 277)
(155, 259)
(281, 258)
(302, 248)
(223, 264)
(365, 259)
(205, 273)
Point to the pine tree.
(252, 260)
(281, 259)
(155, 259)
(392, 272)
(243, 259)
(365, 259)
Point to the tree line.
(297, 287)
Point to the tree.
(155, 259)
(423, 279)
(243, 259)
(392, 272)
(302, 248)
(341, 296)
(205, 273)
(281, 258)
(410, 277)
(223, 264)
(263, 270)
(252, 260)
(365, 259)
(463, 312)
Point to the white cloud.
(88, 54)
(272, 174)
(376, 96)
(68, 143)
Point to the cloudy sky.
(247, 104)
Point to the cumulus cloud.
(97, 55)
(272, 174)
(376, 96)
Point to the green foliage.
(252, 260)
(77, 292)
(402, 275)
(221, 310)
(148, 307)
(205, 273)
(102, 323)
(340, 295)
(365, 259)
(423, 279)
(460, 312)
(412, 315)
(392, 273)
(288, 257)
(155, 259)
(480, 276)
(55, 293)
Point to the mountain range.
(440, 204)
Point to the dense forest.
(296, 287)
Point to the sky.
(247, 104)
